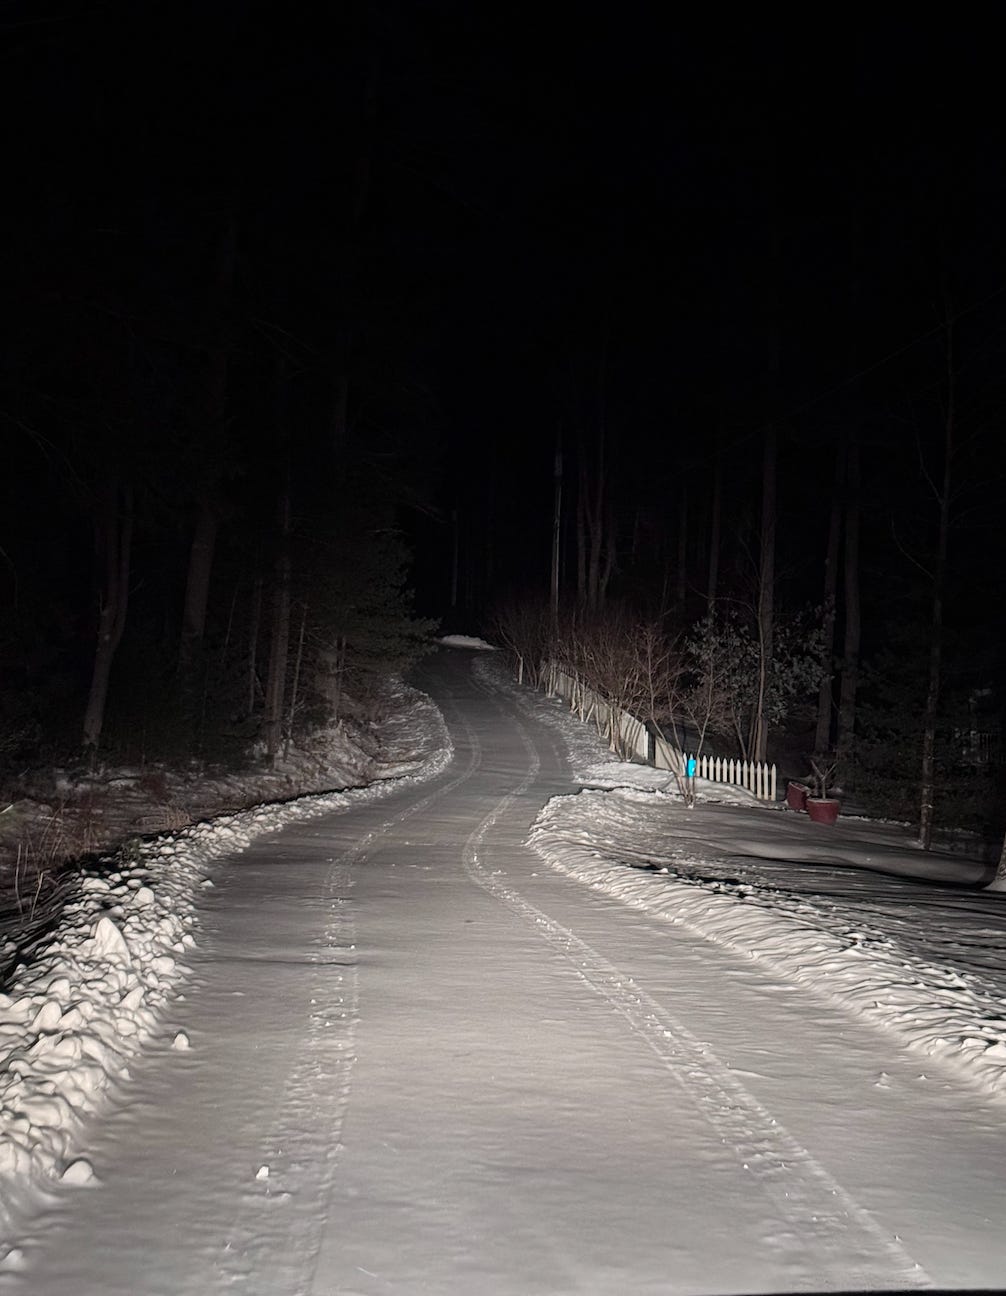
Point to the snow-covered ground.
(74, 1017)
(411, 1056)
(55, 816)
(466, 641)
(825, 907)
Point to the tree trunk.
(597, 514)
(822, 737)
(455, 557)
(360, 186)
(595, 528)
(714, 536)
(197, 585)
(340, 667)
(998, 883)
(610, 553)
(853, 628)
(468, 568)
(204, 537)
(595, 531)
(928, 771)
(682, 571)
(295, 683)
(489, 523)
(254, 630)
(113, 537)
(770, 452)
(556, 528)
(846, 740)
(279, 640)
(766, 592)
(581, 539)
(340, 391)
(225, 646)
(591, 514)
(665, 588)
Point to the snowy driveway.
(421, 1061)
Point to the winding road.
(422, 1062)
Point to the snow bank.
(937, 1009)
(466, 641)
(629, 835)
(74, 1017)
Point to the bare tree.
(714, 533)
(555, 567)
(766, 591)
(204, 537)
(279, 640)
(850, 666)
(724, 692)
(595, 521)
(708, 698)
(998, 883)
(254, 630)
(853, 622)
(197, 585)
(660, 674)
(682, 565)
(113, 544)
(595, 529)
(942, 494)
(295, 683)
(524, 628)
(822, 737)
(633, 669)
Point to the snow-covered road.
(422, 1061)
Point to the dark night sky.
(492, 197)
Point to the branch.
(914, 561)
(925, 471)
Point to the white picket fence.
(627, 734)
(755, 777)
(623, 732)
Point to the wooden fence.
(629, 736)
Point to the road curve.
(421, 1062)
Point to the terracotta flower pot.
(823, 810)
(796, 795)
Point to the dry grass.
(28, 871)
(52, 822)
(36, 851)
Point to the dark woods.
(214, 430)
(598, 319)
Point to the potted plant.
(821, 807)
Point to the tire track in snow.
(274, 1241)
(822, 1228)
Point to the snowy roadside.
(734, 872)
(75, 1015)
(54, 817)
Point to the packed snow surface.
(414, 1053)
(803, 899)
(75, 1017)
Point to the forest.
(202, 535)
(322, 331)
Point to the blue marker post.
(690, 767)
